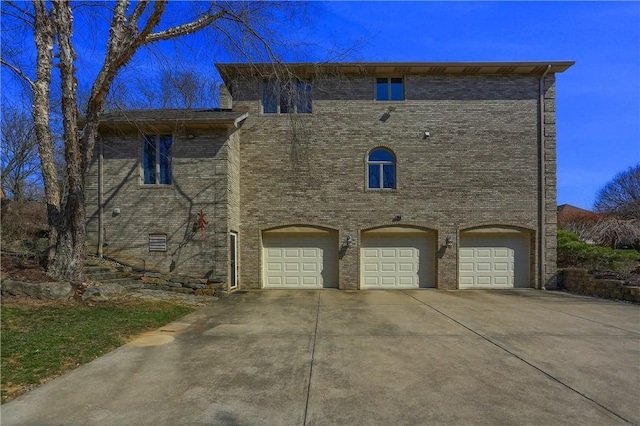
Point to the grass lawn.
(40, 341)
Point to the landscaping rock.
(104, 293)
(181, 290)
(134, 285)
(51, 291)
(174, 284)
(205, 292)
(153, 280)
(195, 286)
(152, 274)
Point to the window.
(156, 159)
(284, 98)
(381, 169)
(389, 89)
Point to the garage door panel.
(300, 261)
(394, 261)
(494, 261)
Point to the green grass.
(41, 342)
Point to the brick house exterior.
(355, 176)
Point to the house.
(347, 175)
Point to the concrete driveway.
(363, 358)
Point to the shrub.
(574, 253)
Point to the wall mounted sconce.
(427, 134)
(116, 211)
(449, 240)
(349, 241)
(398, 218)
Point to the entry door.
(233, 260)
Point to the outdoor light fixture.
(349, 241)
(398, 218)
(449, 240)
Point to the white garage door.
(494, 261)
(300, 261)
(397, 261)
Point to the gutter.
(100, 199)
(543, 196)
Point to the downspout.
(542, 197)
(100, 199)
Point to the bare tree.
(171, 88)
(20, 166)
(621, 196)
(601, 228)
(249, 29)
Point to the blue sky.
(598, 99)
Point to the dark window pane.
(380, 155)
(269, 99)
(389, 176)
(149, 160)
(374, 176)
(382, 89)
(285, 102)
(304, 98)
(165, 159)
(397, 92)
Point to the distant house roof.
(567, 209)
(192, 117)
(230, 70)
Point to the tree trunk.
(70, 250)
(44, 36)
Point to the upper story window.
(389, 89)
(285, 98)
(381, 169)
(156, 159)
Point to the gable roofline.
(537, 68)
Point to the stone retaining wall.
(582, 282)
(181, 284)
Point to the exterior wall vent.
(157, 242)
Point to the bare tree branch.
(18, 72)
(621, 196)
(185, 29)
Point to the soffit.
(172, 118)
(233, 70)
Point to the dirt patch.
(22, 268)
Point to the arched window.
(381, 169)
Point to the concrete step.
(112, 275)
(95, 269)
(121, 281)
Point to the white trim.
(233, 262)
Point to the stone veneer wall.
(581, 282)
(478, 168)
